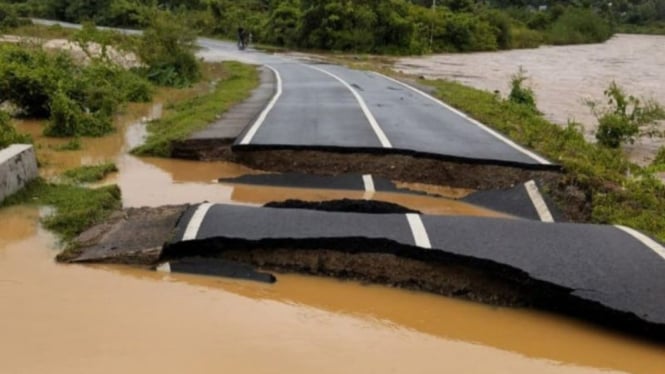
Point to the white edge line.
(647, 241)
(262, 117)
(493, 132)
(538, 201)
(383, 139)
(195, 222)
(419, 232)
(164, 268)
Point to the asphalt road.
(620, 271)
(329, 106)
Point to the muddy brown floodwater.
(98, 319)
(563, 77)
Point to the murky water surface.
(563, 77)
(77, 319)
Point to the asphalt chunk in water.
(217, 267)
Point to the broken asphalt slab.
(605, 274)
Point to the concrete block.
(18, 166)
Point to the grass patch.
(90, 174)
(43, 32)
(619, 191)
(76, 208)
(72, 145)
(232, 82)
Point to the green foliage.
(78, 100)
(519, 94)
(28, 77)
(624, 117)
(599, 171)
(8, 17)
(282, 26)
(167, 49)
(76, 208)
(197, 113)
(577, 26)
(90, 173)
(8, 134)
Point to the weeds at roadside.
(617, 191)
(182, 119)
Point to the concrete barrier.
(18, 166)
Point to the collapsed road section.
(610, 275)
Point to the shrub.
(577, 26)
(624, 117)
(8, 17)
(8, 134)
(69, 119)
(28, 77)
(522, 37)
(520, 94)
(167, 50)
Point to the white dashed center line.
(383, 139)
(538, 202)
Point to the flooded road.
(78, 319)
(563, 77)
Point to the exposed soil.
(406, 168)
(447, 279)
(573, 202)
(344, 205)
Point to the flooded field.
(563, 77)
(100, 319)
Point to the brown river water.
(563, 77)
(106, 319)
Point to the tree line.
(376, 26)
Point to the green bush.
(28, 77)
(8, 134)
(78, 100)
(68, 119)
(522, 37)
(8, 17)
(167, 48)
(624, 117)
(522, 95)
(577, 26)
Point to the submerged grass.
(619, 192)
(231, 82)
(76, 208)
(90, 173)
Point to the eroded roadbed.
(601, 273)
